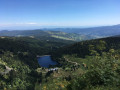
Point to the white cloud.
(17, 24)
(32, 23)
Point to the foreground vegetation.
(87, 65)
(96, 72)
(18, 61)
(99, 61)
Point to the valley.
(46, 35)
(39, 60)
(59, 44)
(98, 31)
(29, 63)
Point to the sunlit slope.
(47, 35)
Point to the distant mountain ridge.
(46, 34)
(75, 34)
(103, 31)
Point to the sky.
(33, 14)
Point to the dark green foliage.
(99, 63)
(102, 63)
(82, 49)
(20, 54)
(102, 72)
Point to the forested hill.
(98, 61)
(86, 65)
(83, 48)
(18, 61)
(46, 35)
(33, 46)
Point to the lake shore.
(42, 56)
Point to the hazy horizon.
(50, 27)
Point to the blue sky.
(26, 14)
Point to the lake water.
(45, 61)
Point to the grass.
(57, 81)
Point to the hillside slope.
(99, 60)
(102, 31)
(82, 48)
(18, 61)
(47, 35)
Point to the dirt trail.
(70, 61)
(7, 70)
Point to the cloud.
(28, 23)
(32, 23)
(17, 24)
